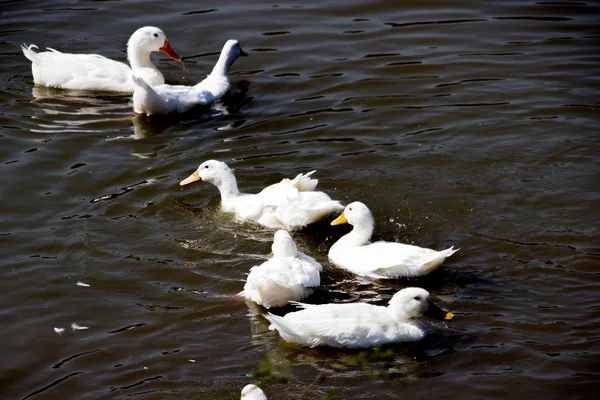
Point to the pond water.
(464, 123)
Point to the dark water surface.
(467, 123)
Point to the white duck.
(289, 204)
(379, 260)
(253, 392)
(359, 325)
(289, 275)
(165, 99)
(95, 72)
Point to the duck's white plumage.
(253, 392)
(359, 325)
(289, 204)
(95, 72)
(289, 275)
(151, 99)
(379, 260)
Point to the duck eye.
(417, 298)
(350, 209)
(206, 166)
(156, 35)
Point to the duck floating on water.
(289, 204)
(95, 72)
(379, 260)
(150, 99)
(359, 325)
(289, 275)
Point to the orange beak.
(191, 179)
(168, 50)
(340, 220)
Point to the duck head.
(283, 244)
(355, 213)
(234, 49)
(231, 52)
(415, 302)
(253, 392)
(211, 171)
(149, 39)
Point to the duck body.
(380, 260)
(163, 99)
(359, 325)
(97, 73)
(289, 275)
(289, 204)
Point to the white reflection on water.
(71, 111)
(76, 111)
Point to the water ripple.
(452, 21)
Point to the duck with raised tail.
(289, 275)
(95, 72)
(359, 325)
(149, 99)
(379, 260)
(289, 204)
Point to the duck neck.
(222, 66)
(139, 59)
(228, 188)
(358, 236)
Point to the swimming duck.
(289, 275)
(95, 72)
(253, 392)
(379, 260)
(289, 204)
(149, 99)
(359, 325)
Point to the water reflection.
(63, 111)
(85, 111)
(399, 363)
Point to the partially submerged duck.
(150, 99)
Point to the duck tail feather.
(304, 182)
(28, 52)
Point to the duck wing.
(290, 187)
